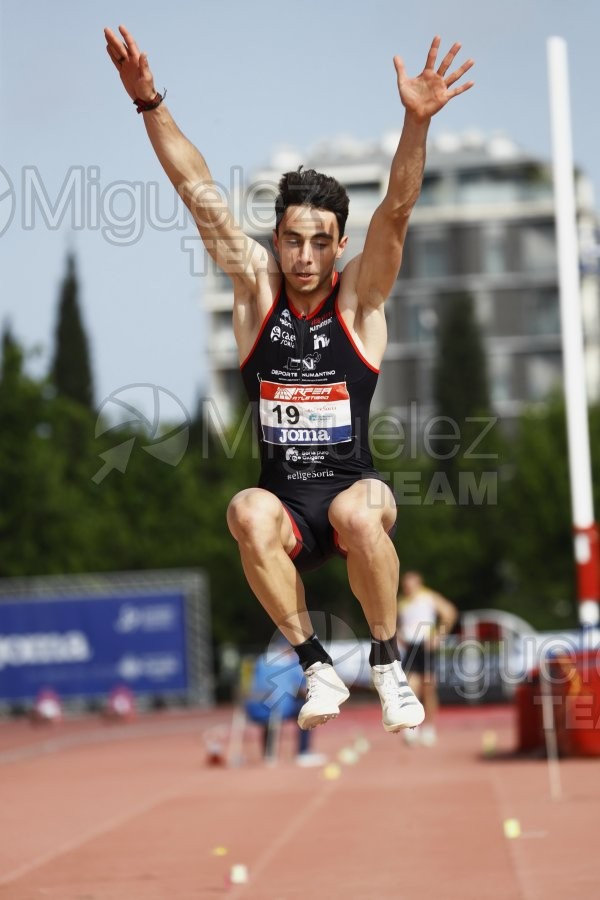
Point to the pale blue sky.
(242, 78)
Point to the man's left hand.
(426, 94)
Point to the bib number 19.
(290, 414)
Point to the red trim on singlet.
(336, 542)
(351, 339)
(299, 542)
(263, 326)
(301, 315)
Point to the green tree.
(37, 512)
(460, 381)
(537, 519)
(71, 371)
(460, 384)
(448, 522)
(11, 362)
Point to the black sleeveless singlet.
(310, 390)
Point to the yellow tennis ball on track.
(362, 745)
(488, 742)
(512, 828)
(220, 851)
(238, 874)
(331, 772)
(348, 756)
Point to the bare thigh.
(368, 501)
(256, 515)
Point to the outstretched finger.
(433, 52)
(449, 58)
(399, 67)
(144, 67)
(118, 48)
(460, 90)
(454, 76)
(115, 60)
(129, 42)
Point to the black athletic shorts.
(418, 658)
(316, 539)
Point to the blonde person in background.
(425, 617)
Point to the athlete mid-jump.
(310, 344)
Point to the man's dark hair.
(310, 188)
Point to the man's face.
(308, 245)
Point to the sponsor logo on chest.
(308, 340)
(281, 336)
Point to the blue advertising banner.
(84, 647)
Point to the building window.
(500, 372)
(430, 255)
(411, 319)
(259, 210)
(422, 322)
(400, 382)
(518, 184)
(509, 312)
(432, 191)
(393, 315)
(530, 311)
(543, 313)
(544, 374)
(486, 186)
(538, 248)
(364, 196)
(493, 249)
(484, 311)
(222, 343)
(222, 321)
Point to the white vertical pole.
(550, 736)
(586, 538)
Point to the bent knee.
(356, 526)
(254, 516)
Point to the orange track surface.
(92, 811)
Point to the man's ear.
(341, 246)
(275, 242)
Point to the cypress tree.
(460, 386)
(12, 357)
(469, 454)
(71, 370)
(460, 382)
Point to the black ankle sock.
(311, 651)
(383, 652)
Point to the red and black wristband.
(146, 105)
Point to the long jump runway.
(92, 811)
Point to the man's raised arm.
(233, 251)
(422, 97)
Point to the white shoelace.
(397, 691)
(312, 684)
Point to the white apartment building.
(484, 225)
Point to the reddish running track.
(131, 812)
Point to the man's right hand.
(132, 65)
(253, 269)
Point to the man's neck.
(307, 303)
